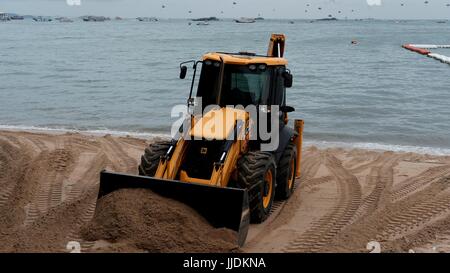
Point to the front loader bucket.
(221, 207)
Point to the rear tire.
(150, 159)
(257, 173)
(286, 172)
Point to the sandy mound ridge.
(140, 220)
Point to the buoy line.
(423, 50)
(431, 46)
(440, 57)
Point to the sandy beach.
(343, 200)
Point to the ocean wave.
(94, 132)
(380, 147)
(317, 143)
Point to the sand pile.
(140, 220)
(48, 234)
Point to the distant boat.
(327, 19)
(259, 18)
(202, 24)
(442, 22)
(91, 18)
(64, 20)
(245, 20)
(205, 19)
(16, 17)
(147, 19)
(42, 19)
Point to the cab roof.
(244, 58)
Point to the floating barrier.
(416, 49)
(423, 49)
(430, 46)
(440, 57)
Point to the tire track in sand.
(16, 184)
(415, 211)
(7, 158)
(325, 229)
(382, 176)
(90, 165)
(257, 232)
(313, 182)
(416, 217)
(13, 158)
(5, 194)
(57, 162)
(398, 220)
(118, 158)
(419, 182)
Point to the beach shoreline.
(344, 199)
(321, 144)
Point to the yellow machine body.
(214, 125)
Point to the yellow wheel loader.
(216, 163)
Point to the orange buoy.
(415, 49)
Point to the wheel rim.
(291, 174)
(268, 179)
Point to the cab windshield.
(242, 85)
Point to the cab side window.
(278, 96)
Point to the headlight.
(262, 67)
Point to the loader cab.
(227, 79)
(239, 85)
(243, 79)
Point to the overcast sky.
(386, 9)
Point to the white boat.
(245, 20)
(202, 24)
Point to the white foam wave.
(96, 132)
(320, 144)
(381, 147)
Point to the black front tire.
(253, 171)
(150, 159)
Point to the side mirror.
(183, 71)
(287, 109)
(288, 79)
(191, 102)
